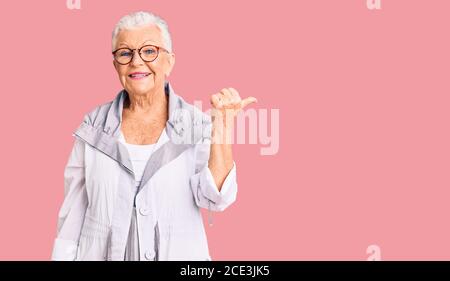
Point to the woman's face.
(155, 72)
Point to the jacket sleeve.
(204, 188)
(73, 209)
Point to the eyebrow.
(143, 44)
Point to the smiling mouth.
(138, 75)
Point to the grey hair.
(139, 19)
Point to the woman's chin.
(140, 90)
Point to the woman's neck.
(151, 106)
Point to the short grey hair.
(139, 19)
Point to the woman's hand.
(226, 105)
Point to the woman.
(142, 165)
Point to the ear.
(169, 64)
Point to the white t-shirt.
(139, 155)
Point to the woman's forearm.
(220, 162)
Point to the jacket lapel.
(104, 138)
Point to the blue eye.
(149, 51)
(125, 54)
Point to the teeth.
(139, 75)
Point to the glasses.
(148, 53)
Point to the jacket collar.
(101, 128)
(179, 113)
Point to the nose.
(136, 60)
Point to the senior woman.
(144, 164)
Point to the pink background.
(364, 114)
